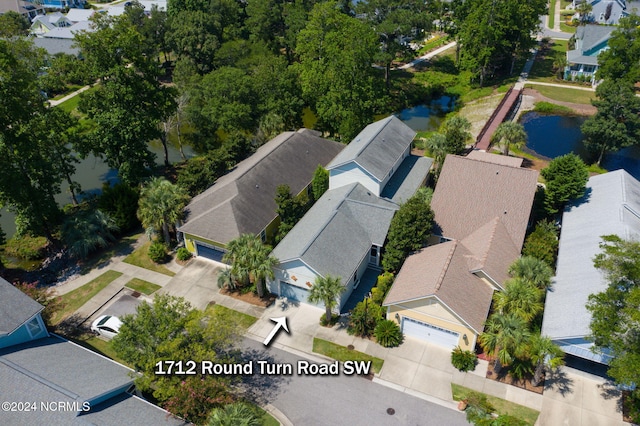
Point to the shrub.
(364, 318)
(566, 178)
(26, 247)
(44, 296)
(388, 333)
(478, 407)
(157, 252)
(183, 254)
(379, 292)
(120, 202)
(463, 360)
(542, 243)
(332, 321)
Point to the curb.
(277, 414)
(417, 394)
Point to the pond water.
(91, 173)
(427, 117)
(553, 135)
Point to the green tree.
(13, 24)
(409, 229)
(566, 179)
(615, 312)
(584, 9)
(504, 337)
(289, 208)
(170, 329)
(320, 182)
(120, 202)
(338, 82)
(250, 260)
(35, 142)
(456, 131)
(392, 21)
(616, 125)
(161, 206)
(436, 143)
(520, 298)
(364, 318)
(199, 173)
(532, 270)
(621, 61)
(236, 414)
(87, 231)
(326, 289)
(542, 243)
(226, 279)
(544, 354)
(509, 134)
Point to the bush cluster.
(463, 360)
(157, 252)
(388, 334)
(183, 254)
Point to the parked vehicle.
(107, 326)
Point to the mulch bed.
(251, 297)
(504, 377)
(626, 405)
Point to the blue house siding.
(22, 334)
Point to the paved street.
(343, 400)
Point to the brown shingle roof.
(470, 193)
(243, 201)
(505, 160)
(442, 271)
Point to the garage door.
(295, 293)
(430, 333)
(209, 252)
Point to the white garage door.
(295, 293)
(430, 333)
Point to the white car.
(106, 325)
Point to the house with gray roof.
(590, 41)
(28, 9)
(65, 384)
(442, 293)
(610, 206)
(605, 12)
(344, 232)
(44, 23)
(243, 200)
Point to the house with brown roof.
(443, 292)
(243, 200)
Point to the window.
(263, 235)
(34, 327)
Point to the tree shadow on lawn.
(260, 388)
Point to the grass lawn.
(244, 320)
(140, 258)
(266, 418)
(142, 286)
(103, 347)
(552, 13)
(437, 41)
(73, 300)
(542, 69)
(567, 28)
(70, 104)
(564, 94)
(342, 353)
(502, 406)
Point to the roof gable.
(471, 193)
(16, 308)
(377, 147)
(243, 201)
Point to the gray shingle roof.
(610, 206)
(56, 45)
(471, 193)
(16, 308)
(590, 36)
(377, 147)
(243, 201)
(338, 231)
(407, 179)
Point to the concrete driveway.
(197, 282)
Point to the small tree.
(543, 353)
(409, 229)
(542, 243)
(509, 134)
(566, 178)
(533, 271)
(504, 337)
(326, 289)
(456, 132)
(364, 318)
(120, 202)
(520, 298)
(320, 182)
(463, 360)
(436, 143)
(87, 231)
(250, 260)
(383, 284)
(161, 206)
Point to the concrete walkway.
(69, 96)
(417, 368)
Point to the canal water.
(554, 135)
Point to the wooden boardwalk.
(502, 111)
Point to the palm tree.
(250, 260)
(543, 353)
(505, 337)
(532, 269)
(161, 206)
(437, 145)
(509, 134)
(226, 279)
(237, 414)
(85, 232)
(326, 290)
(520, 298)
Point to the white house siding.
(290, 270)
(350, 173)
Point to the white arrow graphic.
(281, 322)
